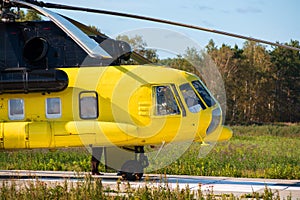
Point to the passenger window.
(88, 105)
(16, 109)
(165, 101)
(53, 107)
(191, 99)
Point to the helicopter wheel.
(132, 170)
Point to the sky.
(272, 20)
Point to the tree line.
(262, 86)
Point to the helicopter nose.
(216, 131)
(215, 121)
(223, 133)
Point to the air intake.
(22, 81)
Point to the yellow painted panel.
(221, 134)
(68, 141)
(104, 133)
(14, 135)
(59, 128)
(39, 135)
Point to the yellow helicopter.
(63, 85)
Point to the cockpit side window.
(191, 99)
(165, 101)
(204, 93)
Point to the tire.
(132, 170)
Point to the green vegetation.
(93, 189)
(254, 151)
(29, 15)
(139, 46)
(73, 159)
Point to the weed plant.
(93, 189)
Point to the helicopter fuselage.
(130, 105)
(53, 94)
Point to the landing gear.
(133, 170)
(95, 161)
(129, 161)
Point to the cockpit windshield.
(204, 93)
(191, 99)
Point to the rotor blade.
(91, 47)
(66, 7)
(140, 59)
(84, 28)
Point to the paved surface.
(240, 186)
(219, 185)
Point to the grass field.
(255, 151)
(270, 151)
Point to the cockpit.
(195, 97)
(190, 97)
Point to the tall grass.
(73, 159)
(93, 189)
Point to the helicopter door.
(167, 113)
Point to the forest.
(262, 86)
